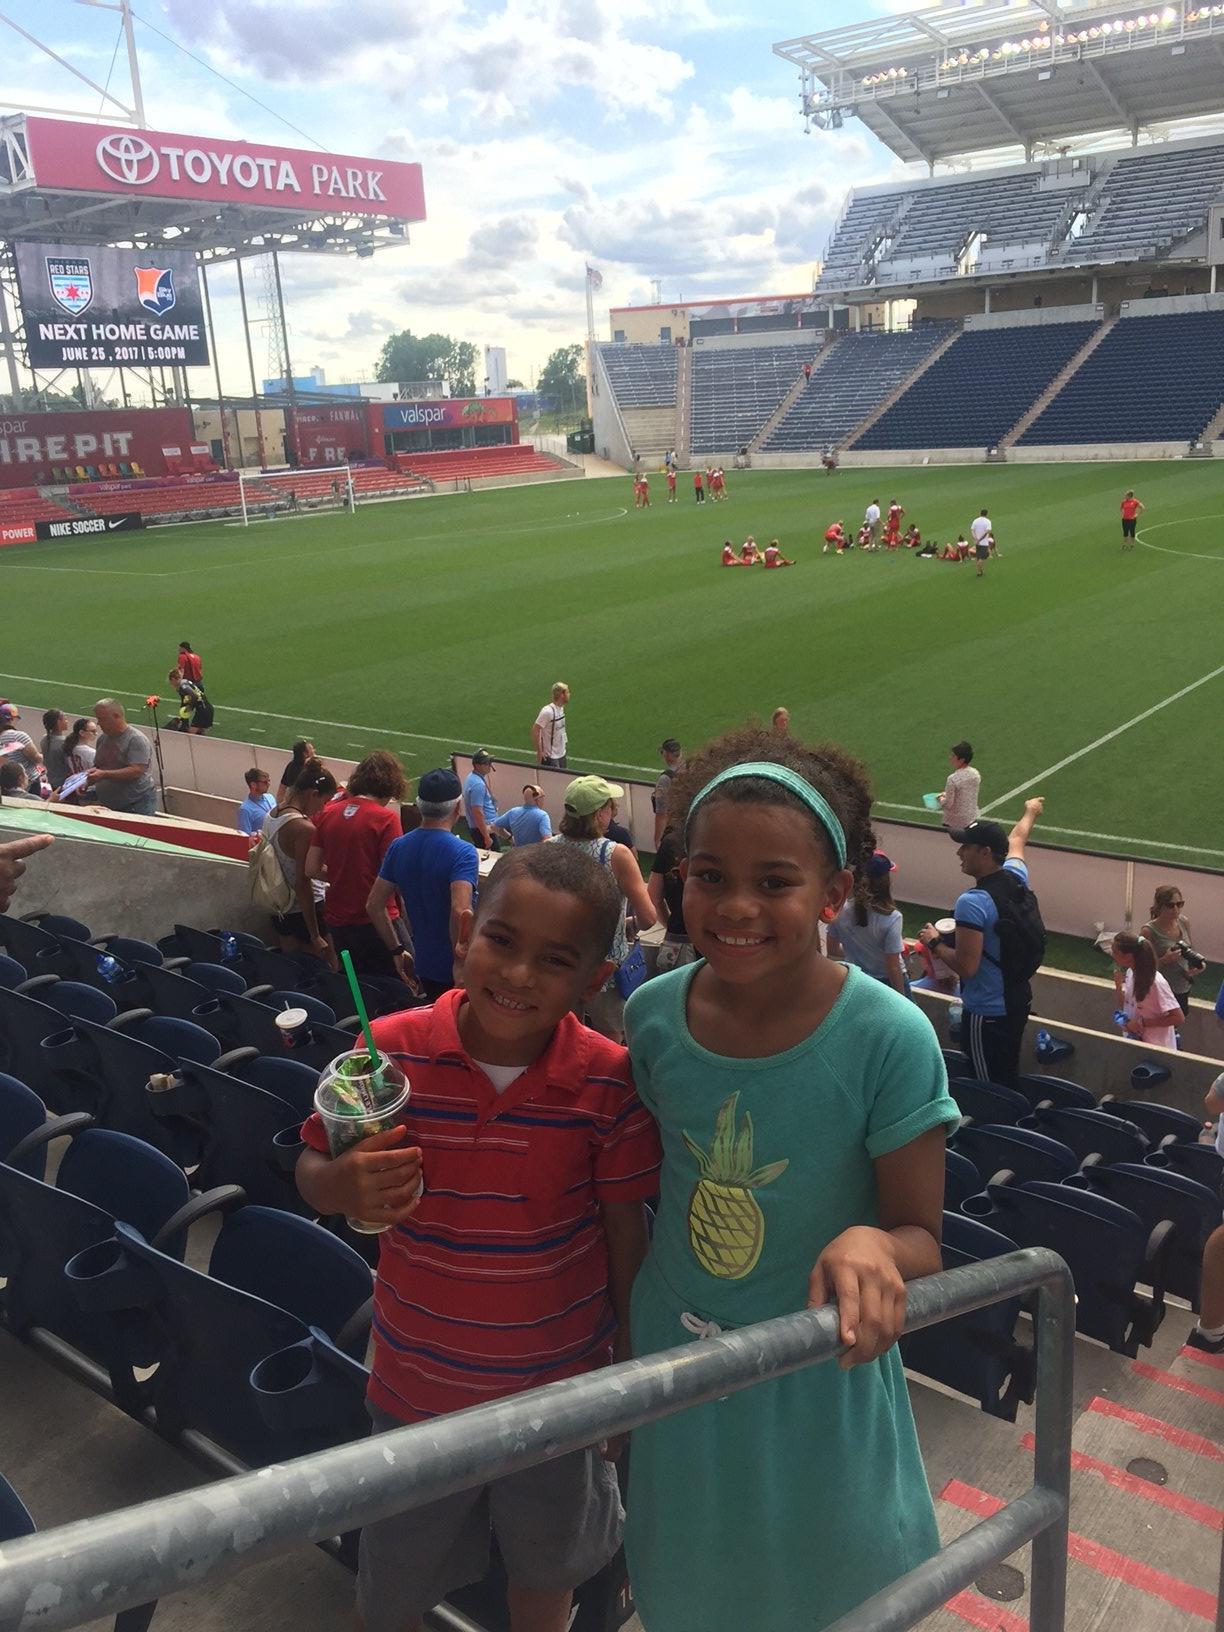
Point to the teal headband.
(793, 783)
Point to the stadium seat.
(12, 973)
(1107, 1247)
(23, 1115)
(1055, 1091)
(124, 1062)
(101, 1177)
(294, 1305)
(173, 992)
(1160, 1123)
(42, 954)
(987, 1101)
(71, 998)
(1157, 1194)
(960, 1179)
(290, 1079)
(15, 1522)
(217, 977)
(96, 966)
(1022, 1153)
(1199, 1162)
(238, 1125)
(1092, 1135)
(57, 924)
(129, 949)
(42, 1050)
(254, 1026)
(976, 1354)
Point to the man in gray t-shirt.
(120, 777)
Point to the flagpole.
(590, 371)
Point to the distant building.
(495, 370)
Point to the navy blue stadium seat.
(1156, 1194)
(101, 1177)
(1055, 1091)
(1108, 1249)
(1092, 1134)
(960, 1179)
(129, 949)
(284, 1076)
(979, 388)
(976, 1354)
(238, 1125)
(1158, 1122)
(956, 1063)
(987, 1101)
(1022, 1152)
(94, 965)
(58, 924)
(217, 977)
(42, 954)
(72, 998)
(123, 1064)
(173, 992)
(1180, 359)
(1199, 1162)
(180, 1039)
(254, 1022)
(41, 1049)
(15, 1522)
(12, 973)
(293, 1303)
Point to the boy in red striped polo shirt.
(514, 1266)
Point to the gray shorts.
(556, 1525)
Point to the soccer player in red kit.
(1131, 509)
(671, 484)
(835, 536)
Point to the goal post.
(267, 494)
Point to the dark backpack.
(1022, 935)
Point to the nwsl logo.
(155, 288)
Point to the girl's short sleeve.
(894, 940)
(911, 1088)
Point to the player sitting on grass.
(954, 552)
(774, 556)
(912, 539)
(864, 537)
(512, 1266)
(835, 538)
(729, 557)
(928, 552)
(750, 553)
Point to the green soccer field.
(1089, 675)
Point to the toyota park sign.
(156, 164)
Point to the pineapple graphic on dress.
(726, 1225)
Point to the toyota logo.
(129, 159)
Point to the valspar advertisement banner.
(448, 412)
(34, 446)
(219, 170)
(87, 306)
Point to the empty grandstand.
(641, 376)
(974, 393)
(735, 391)
(858, 374)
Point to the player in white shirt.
(871, 520)
(981, 527)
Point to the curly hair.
(379, 776)
(842, 779)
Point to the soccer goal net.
(269, 493)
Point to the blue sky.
(658, 138)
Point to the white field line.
(519, 753)
(1190, 555)
(1099, 742)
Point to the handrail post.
(1052, 1453)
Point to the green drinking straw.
(367, 1099)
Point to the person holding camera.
(1169, 934)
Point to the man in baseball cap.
(479, 805)
(15, 741)
(436, 875)
(995, 1010)
(672, 756)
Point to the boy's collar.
(563, 1064)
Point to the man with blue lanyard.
(995, 1013)
(479, 805)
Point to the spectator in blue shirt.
(258, 802)
(479, 805)
(994, 1015)
(435, 874)
(527, 823)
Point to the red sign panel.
(34, 445)
(331, 435)
(219, 170)
(18, 534)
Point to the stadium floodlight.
(268, 495)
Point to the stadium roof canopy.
(68, 181)
(959, 79)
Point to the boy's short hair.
(569, 871)
(963, 751)
(254, 775)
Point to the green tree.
(407, 356)
(514, 385)
(564, 380)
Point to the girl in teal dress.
(802, 1107)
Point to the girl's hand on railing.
(858, 1270)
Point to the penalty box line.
(1099, 742)
(336, 725)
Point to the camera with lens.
(1192, 959)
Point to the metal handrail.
(95, 1567)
